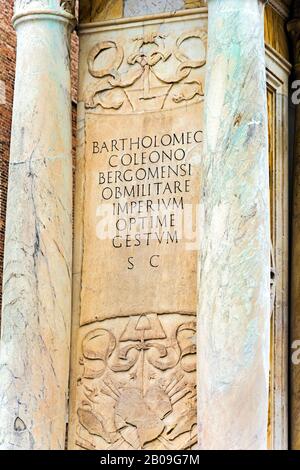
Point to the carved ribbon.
(186, 64)
(110, 79)
(99, 345)
(110, 76)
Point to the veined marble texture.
(102, 10)
(234, 294)
(35, 336)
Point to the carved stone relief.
(137, 386)
(100, 10)
(144, 81)
(140, 147)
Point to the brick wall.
(7, 71)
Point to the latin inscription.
(146, 181)
(137, 212)
(142, 200)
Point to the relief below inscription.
(137, 389)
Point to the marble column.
(35, 334)
(294, 30)
(234, 287)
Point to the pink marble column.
(35, 335)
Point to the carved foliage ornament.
(139, 388)
(144, 81)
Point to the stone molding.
(25, 10)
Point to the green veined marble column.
(234, 292)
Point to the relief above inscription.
(138, 187)
(144, 86)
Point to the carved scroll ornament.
(114, 88)
(148, 381)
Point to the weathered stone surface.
(234, 284)
(138, 172)
(37, 264)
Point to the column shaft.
(35, 334)
(234, 293)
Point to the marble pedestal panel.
(140, 136)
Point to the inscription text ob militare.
(152, 174)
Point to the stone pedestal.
(234, 278)
(140, 134)
(37, 265)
